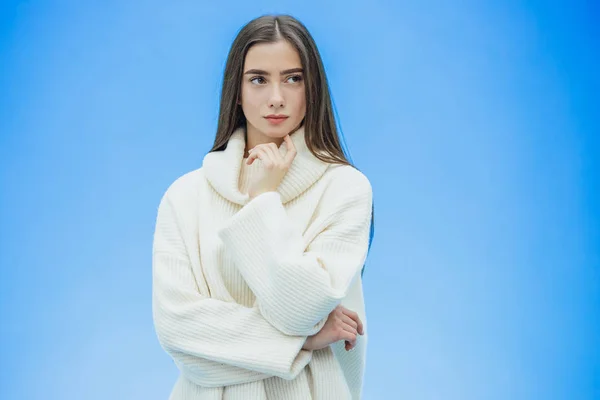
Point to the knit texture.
(239, 283)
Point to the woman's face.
(273, 96)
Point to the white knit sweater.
(238, 285)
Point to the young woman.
(257, 255)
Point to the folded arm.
(297, 287)
(214, 343)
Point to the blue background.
(477, 123)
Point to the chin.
(277, 131)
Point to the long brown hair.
(320, 128)
(319, 123)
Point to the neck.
(222, 168)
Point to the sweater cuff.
(263, 223)
(300, 357)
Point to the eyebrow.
(261, 72)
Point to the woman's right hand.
(342, 324)
(275, 166)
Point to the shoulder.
(344, 186)
(184, 188)
(347, 179)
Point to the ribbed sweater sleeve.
(297, 288)
(214, 343)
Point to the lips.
(276, 119)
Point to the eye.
(294, 78)
(257, 80)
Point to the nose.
(276, 99)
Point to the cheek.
(250, 109)
(251, 99)
(300, 101)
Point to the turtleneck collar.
(222, 168)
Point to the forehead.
(276, 56)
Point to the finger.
(261, 155)
(272, 151)
(278, 155)
(349, 328)
(347, 320)
(349, 336)
(251, 156)
(291, 150)
(355, 317)
(348, 345)
(352, 332)
(265, 156)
